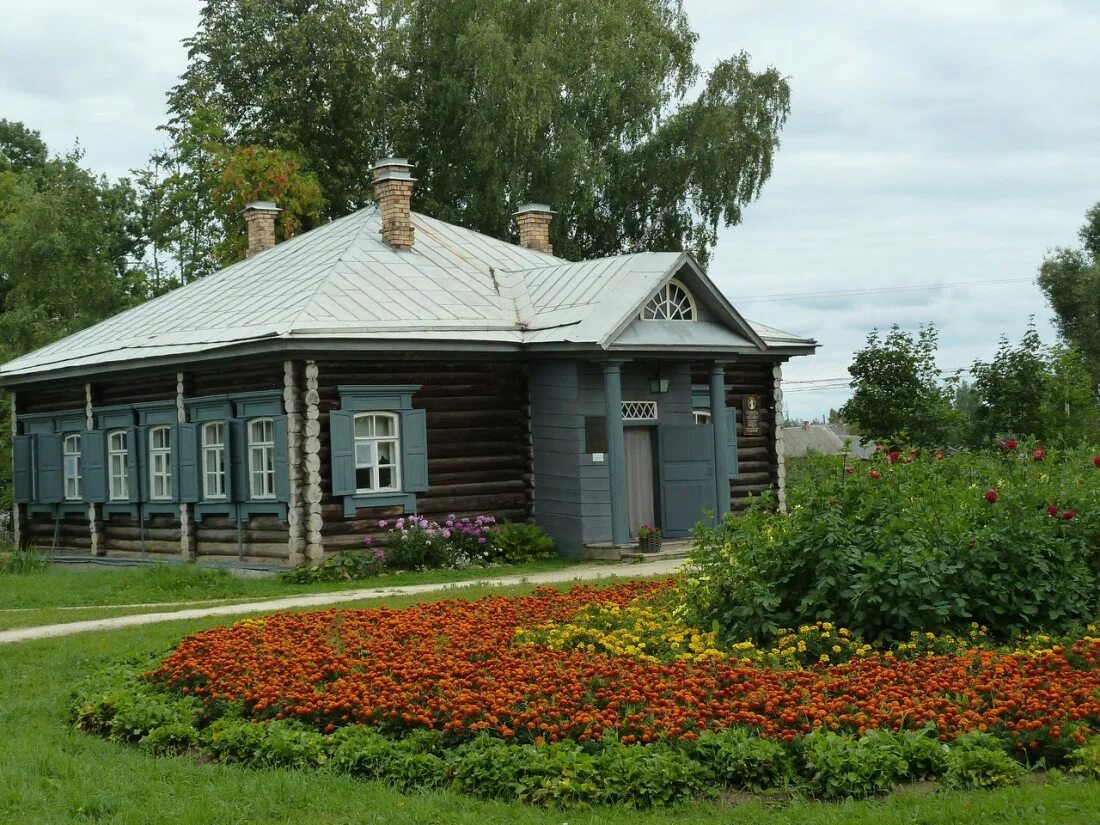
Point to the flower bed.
(571, 684)
(450, 666)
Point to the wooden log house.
(391, 363)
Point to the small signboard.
(595, 435)
(750, 415)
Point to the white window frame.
(120, 456)
(373, 441)
(70, 462)
(701, 416)
(261, 460)
(672, 302)
(213, 452)
(160, 463)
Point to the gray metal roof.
(341, 281)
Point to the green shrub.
(170, 738)
(738, 758)
(557, 774)
(919, 546)
(647, 775)
(517, 542)
(971, 768)
(1085, 761)
(924, 754)
(838, 767)
(277, 743)
(347, 566)
(406, 764)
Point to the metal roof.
(341, 281)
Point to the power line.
(796, 296)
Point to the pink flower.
(1068, 515)
(1009, 443)
(1052, 510)
(423, 524)
(893, 456)
(446, 534)
(379, 553)
(875, 474)
(1038, 454)
(991, 495)
(383, 523)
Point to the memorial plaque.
(595, 434)
(750, 415)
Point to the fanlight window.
(671, 303)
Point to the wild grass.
(51, 774)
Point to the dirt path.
(587, 573)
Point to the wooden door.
(687, 476)
(641, 489)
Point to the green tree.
(1029, 390)
(192, 193)
(598, 109)
(900, 396)
(69, 246)
(1070, 279)
(20, 148)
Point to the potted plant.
(649, 538)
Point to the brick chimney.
(259, 217)
(533, 222)
(393, 186)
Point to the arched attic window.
(671, 303)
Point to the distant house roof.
(821, 439)
(340, 284)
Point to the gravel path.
(586, 573)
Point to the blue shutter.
(49, 488)
(341, 429)
(414, 451)
(731, 437)
(135, 463)
(185, 469)
(282, 460)
(22, 451)
(236, 480)
(93, 465)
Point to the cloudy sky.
(930, 143)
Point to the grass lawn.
(51, 774)
(62, 586)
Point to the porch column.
(616, 452)
(721, 440)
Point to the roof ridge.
(365, 213)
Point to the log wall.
(479, 454)
(758, 459)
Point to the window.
(118, 458)
(213, 460)
(71, 465)
(377, 447)
(671, 303)
(261, 458)
(160, 463)
(639, 411)
(701, 416)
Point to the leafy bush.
(517, 542)
(277, 743)
(971, 768)
(171, 738)
(406, 764)
(416, 543)
(647, 775)
(557, 774)
(738, 758)
(837, 767)
(1085, 761)
(1007, 539)
(347, 566)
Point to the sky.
(930, 143)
